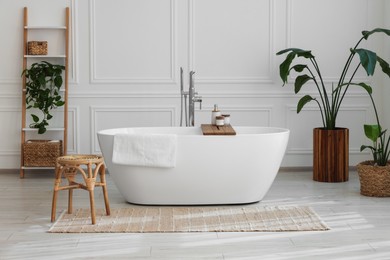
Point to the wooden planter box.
(330, 155)
(41, 153)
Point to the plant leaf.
(366, 87)
(60, 103)
(361, 84)
(285, 51)
(368, 33)
(299, 52)
(284, 67)
(363, 147)
(41, 79)
(384, 65)
(303, 101)
(304, 53)
(383, 132)
(300, 81)
(58, 81)
(35, 118)
(299, 67)
(372, 132)
(368, 60)
(41, 129)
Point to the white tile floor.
(360, 226)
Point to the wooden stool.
(69, 166)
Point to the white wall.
(126, 56)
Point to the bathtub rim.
(195, 131)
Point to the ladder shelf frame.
(25, 56)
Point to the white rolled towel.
(153, 150)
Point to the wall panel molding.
(10, 81)
(97, 79)
(230, 80)
(73, 46)
(74, 146)
(16, 151)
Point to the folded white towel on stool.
(154, 150)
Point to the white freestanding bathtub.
(209, 169)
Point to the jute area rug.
(191, 219)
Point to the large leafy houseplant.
(329, 101)
(43, 83)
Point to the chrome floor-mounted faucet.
(193, 97)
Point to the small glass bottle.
(214, 114)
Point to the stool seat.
(68, 166)
(78, 159)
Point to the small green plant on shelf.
(43, 83)
(380, 147)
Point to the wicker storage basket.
(37, 48)
(41, 153)
(374, 180)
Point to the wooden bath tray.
(217, 130)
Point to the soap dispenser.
(214, 114)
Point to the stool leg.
(54, 205)
(57, 182)
(70, 201)
(92, 203)
(70, 175)
(103, 180)
(90, 183)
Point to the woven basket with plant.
(374, 175)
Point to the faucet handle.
(199, 99)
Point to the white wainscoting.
(126, 57)
(9, 122)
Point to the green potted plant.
(374, 175)
(330, 167)
(43, 83)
